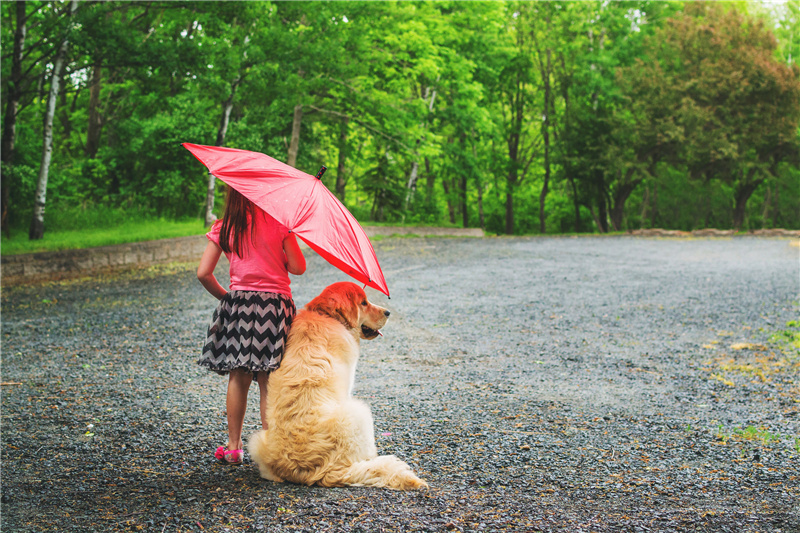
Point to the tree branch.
(364, 125)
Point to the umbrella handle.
(322, 170)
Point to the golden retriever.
(317, 432)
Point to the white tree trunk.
(294, 144)
(40, 200)
(411, 186)
(221, 133)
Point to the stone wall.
(42, 266)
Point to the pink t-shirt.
(263, 267)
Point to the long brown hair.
(239, 211)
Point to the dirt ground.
(538, 384)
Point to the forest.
(516, 117)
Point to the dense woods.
(518, 117)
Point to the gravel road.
(591, 384)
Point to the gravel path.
(538, 384)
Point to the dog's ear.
(348, 314)
(340, 302)
(346, 305)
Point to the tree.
(515, 116)
(14, 94)
(37, 220)
(515, 100)
(543, 56)
(32, 48)
(235, 39)
(736, 106)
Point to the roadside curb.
(48, 266)
(711, 232)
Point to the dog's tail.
(383, 471)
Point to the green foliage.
(651, 119)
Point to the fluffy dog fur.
(317, 433)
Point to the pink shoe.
(232, 457)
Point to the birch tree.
(37, 221)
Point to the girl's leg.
(238, 384)
(263, 378)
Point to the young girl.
(249, 327)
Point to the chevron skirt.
(248, 330)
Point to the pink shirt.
(263, 267)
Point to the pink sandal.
(232, 457)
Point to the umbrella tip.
(322, 170)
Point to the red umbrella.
(300, 202)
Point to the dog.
(317, 433)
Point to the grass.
(760, 435)
(788, 340)
(109, 231)
(90, 237)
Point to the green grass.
(788, 340)
(100, 235)
(108, 229)
(760, 435)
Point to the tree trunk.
(596, 220)
(294, 144)
(510, 205)
(450, 209)
(575, 201)
(481, 217)
(430, 182)
(340, 169)
(741, 195)
(512, 178)
(12, 107)
(546, 138)
(411, 186)
(464, 210)
(514, 138)
(225, 120)
(765, 209)
(67, 114)
(621, 196)
(602, 210)
(95, 119)
(545, 184)
(37, 220)
(645, 200)
(222, 132)
(654, 210)
(478, 188)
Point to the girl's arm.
(295, 262)
(205, 272)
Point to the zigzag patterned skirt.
(248, 330)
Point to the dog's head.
(347, 303)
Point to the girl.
(249, 327)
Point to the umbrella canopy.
(300, 202)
